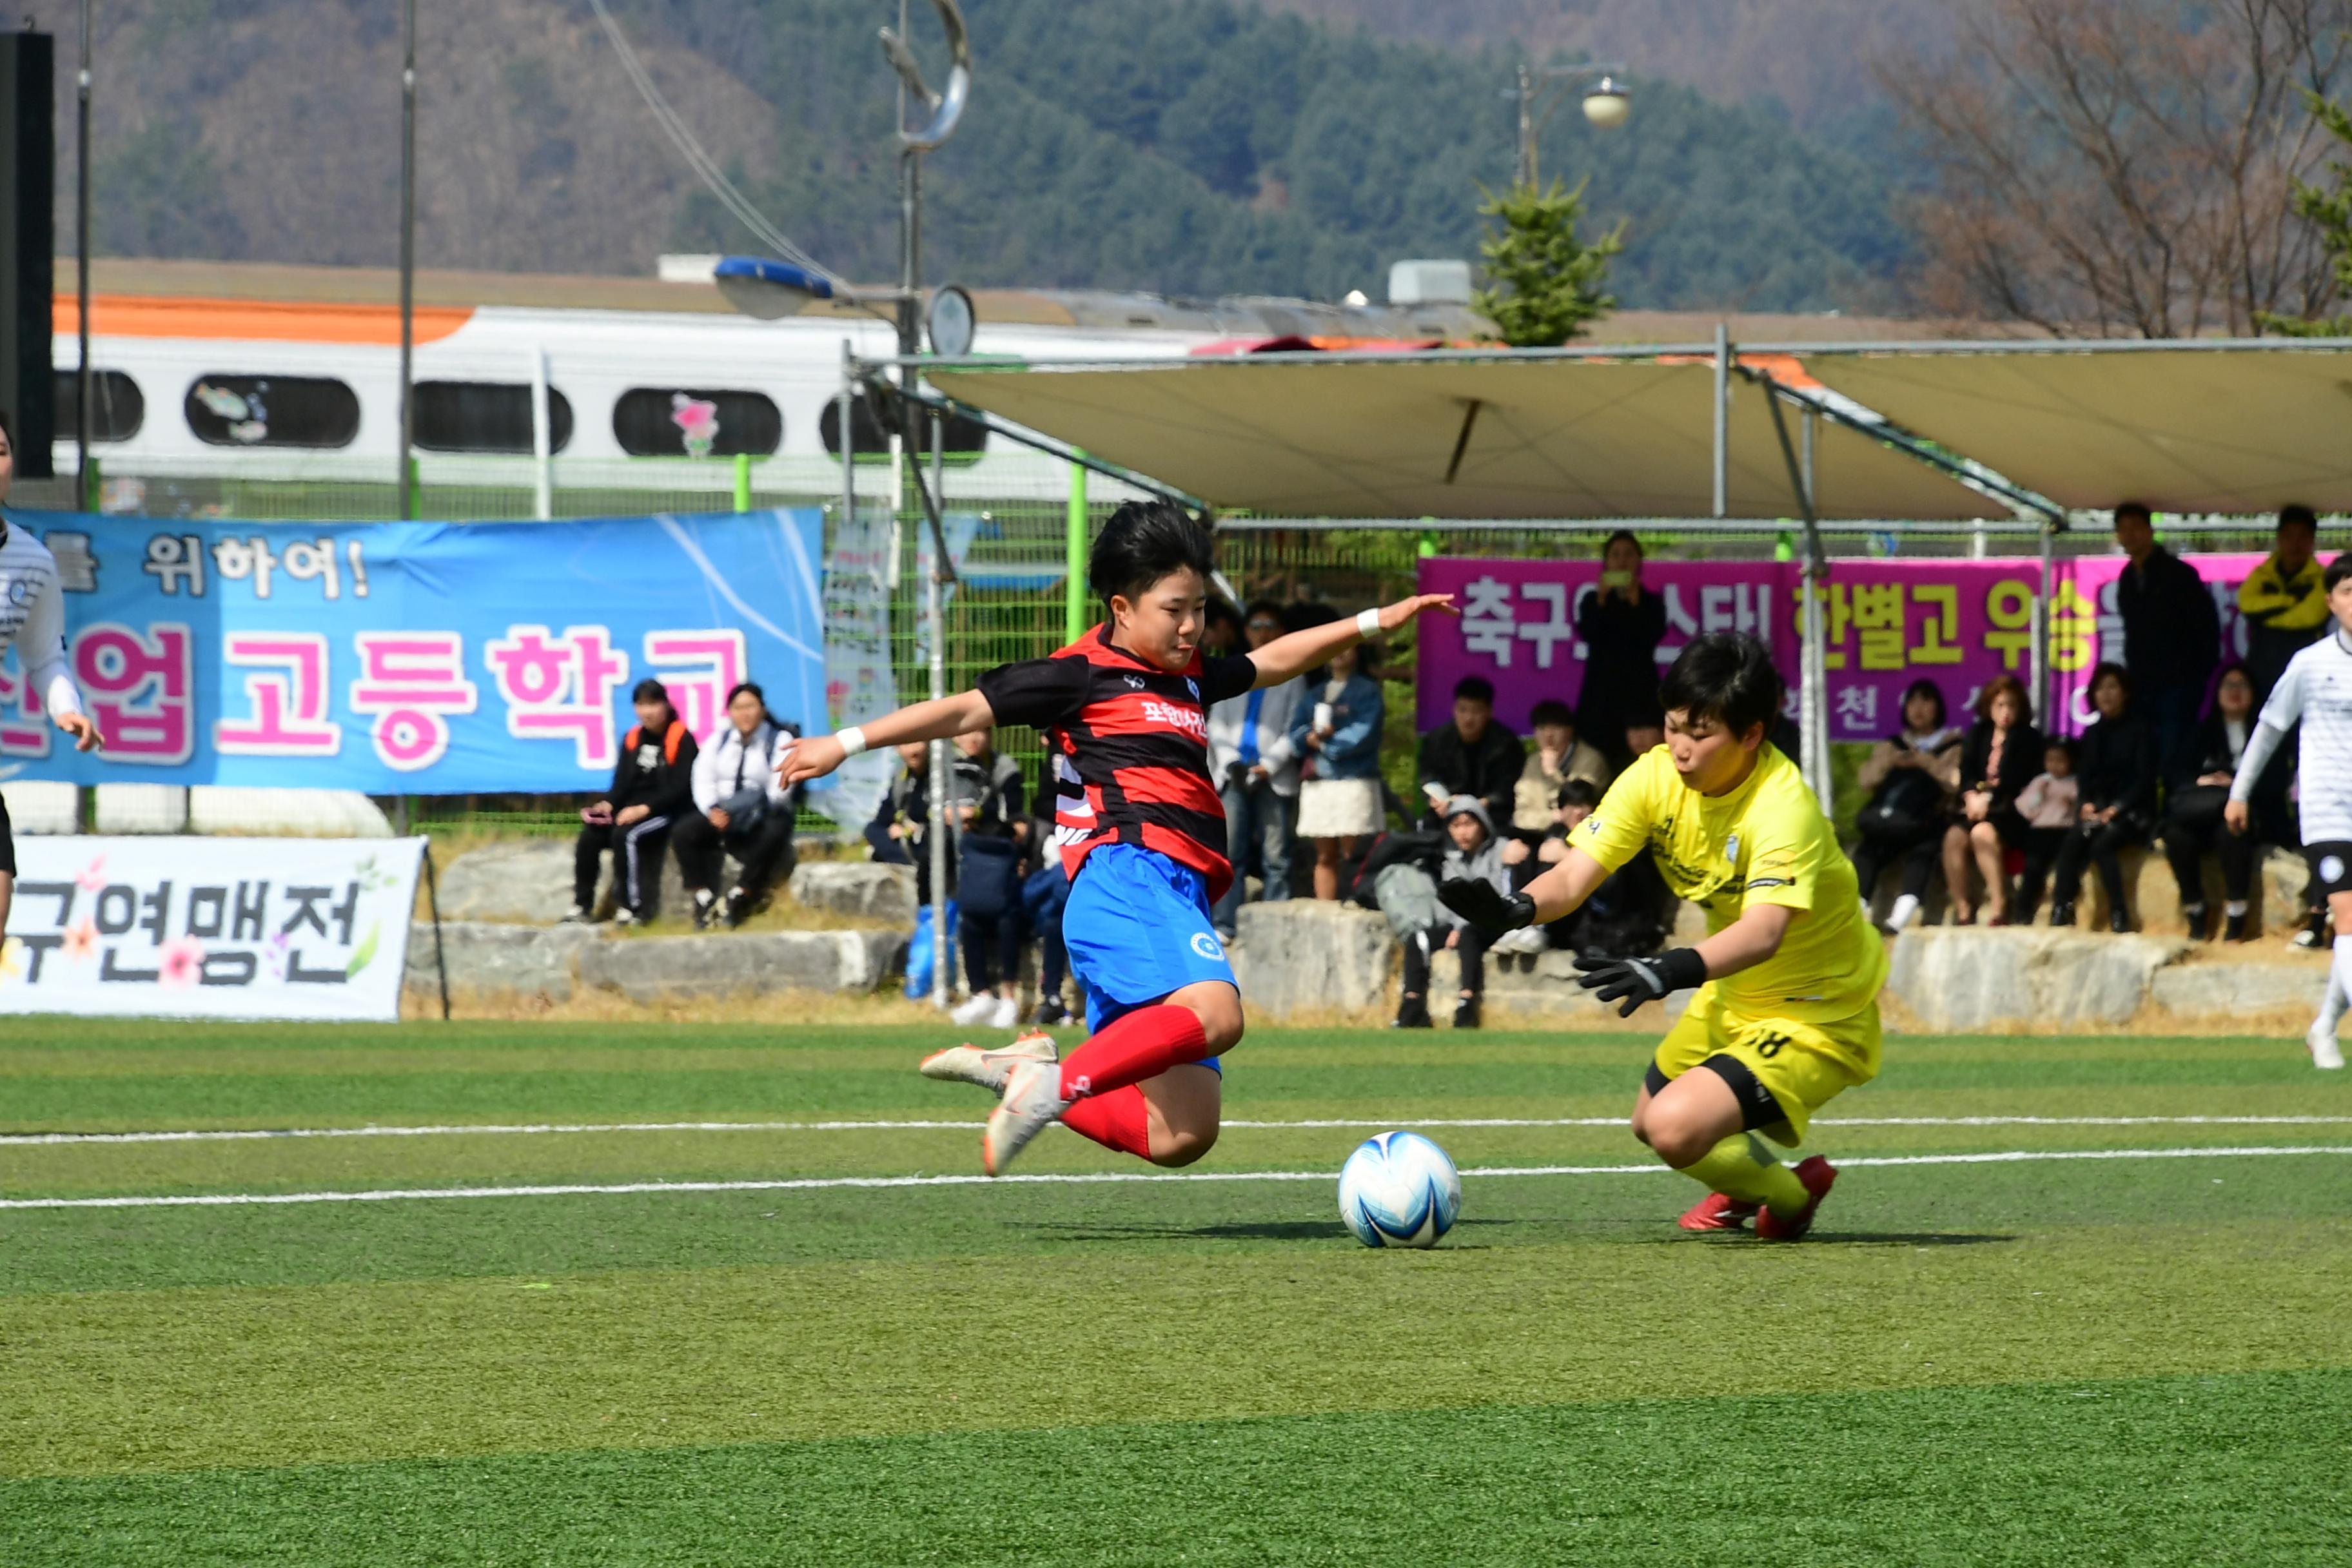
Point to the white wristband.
(851, 738)
(1367, 622)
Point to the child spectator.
(991, 829)
(902, 819)
(1628, 913)
(1339, 735)
(1473, 755)
(2118, 763)
(1257, 770)
(1472, 853)
(2048, 806)
(1911, 776)
(1044, 888)
(1559, 755)
(741, 807)
(652, 787)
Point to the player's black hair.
(1922, 687)
(2296, 512)
(2123, 677)
(1551, 711)
(1144, 542)
(1576, 791)
(649, 690)
(2134, 508)
(1476, 688)
(1727, 677)
(740, 686)
(2337, 570)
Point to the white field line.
(1091, 1178)
(236, 1135)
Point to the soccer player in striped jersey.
(1141, 833)
(2317, 691)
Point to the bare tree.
(2125, 167)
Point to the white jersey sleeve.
(41, 649)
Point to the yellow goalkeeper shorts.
(1803, 1065)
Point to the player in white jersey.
(33, 620)
(2317, 690)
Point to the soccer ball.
(1399, 1189)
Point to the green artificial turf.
(2116, 1360)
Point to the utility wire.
(704, 166)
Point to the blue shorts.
(1138, 929)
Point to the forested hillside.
(1193, 147)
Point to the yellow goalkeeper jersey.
(1766, 842)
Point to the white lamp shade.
(1607, 106)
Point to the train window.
(116, 407)
(963, 440)
(272, 411)
(486, 416)
(650, 422)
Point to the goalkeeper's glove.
(1640, 979)
(1475, 901)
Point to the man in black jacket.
(2172, 640)
(1473, 755)
(652, 787)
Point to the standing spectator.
(1045, 890)
(2116, 762)
(1622, 625)
(2284, 602)
(1339, 736)
(1257, 770)
(1559, 755)
(653, 788)
(1911, 776)
(1472, 853)
(741, 806)
(1222, 632)
(2051, 806)
(2193, 817)
(990, 830)
(1473, 756)
(2172, 640)
(901, 825)
(1997, 762)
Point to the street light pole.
(404, 493)
(1606, 105)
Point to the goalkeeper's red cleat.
(1716, 1212)
(1818, 1175)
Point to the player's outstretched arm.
(1746, 942)
(1556, 892)
(813, 756)
(1299, 652)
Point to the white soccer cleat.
(1007, 1014)
(989, 1068)
(974, 1009)
(1033, 1101)
(2325, 1052)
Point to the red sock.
(1119, 1119)
(1144, 1043)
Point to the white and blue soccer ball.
(1399, 1189)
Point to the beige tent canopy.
(1452, 435)
(2187, 427)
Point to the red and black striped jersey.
(1129, 744)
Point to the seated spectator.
(1471, 851)
(2049, 805)
(1628, 913)
(2118, 764)
(1473, 755)
(1221, 631)
(990, 831)
(740, 808)
(899, 830)
(1559, 755)
(1997, 762)
(1339, 735)
(1044, 888)
(1911, 776)
(1256, 769)
(652, 787)
(2192, 816)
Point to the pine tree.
(2332, 211)
(1544, 284)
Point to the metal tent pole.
(406, 492)
(1722, 420)
(85, 380)
(2038, 628)
(1813, 694)
(1074, 592)
(543, 435)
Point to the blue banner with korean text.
(412, 659)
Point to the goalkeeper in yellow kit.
(1787, 1012)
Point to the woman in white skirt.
(1338, 732)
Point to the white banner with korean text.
(210, 927)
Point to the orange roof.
(168, 316)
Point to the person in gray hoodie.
(1473, 854)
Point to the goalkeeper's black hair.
(1144, 542)
(1727, 677)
